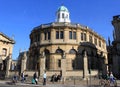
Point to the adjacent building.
(6, 47)
(114, 48)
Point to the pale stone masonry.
(63, 44)
(6, 47)
(114, 48)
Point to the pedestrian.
(35, 78)
(15, 78)
(23, 77)
(111, 77)
(44, 78)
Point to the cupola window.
(63, 15)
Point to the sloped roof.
(7, 39)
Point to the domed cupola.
(62, 14)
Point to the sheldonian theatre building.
(65, 47)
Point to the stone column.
(63, 67)
(8, 60)
(23, 62)
(52, 62)
(42, 65)
(85, 70)
(52, 35)
(66, 33)
(78, 33)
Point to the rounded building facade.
(63, 39)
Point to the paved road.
(8, 84)
(78, 84)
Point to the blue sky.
(19, 17)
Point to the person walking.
(35, 78)
(111, 77)
(44, 78)
(22, 76)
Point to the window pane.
(90, 39)
(58, 15)
(49, 35)
(99, 43)
(72, 51)
(4, 52)
(45, 36)
(57, 34)
(95, 41)
(38, 37)
(61, 34)
(70, 34)
(63, 16)
(81, 36)
(84, 36)
(59, 63)
(74, 35)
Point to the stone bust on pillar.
(64, 55)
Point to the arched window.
(46, 52)
(72, 51)
(47, 61)
(59, 51)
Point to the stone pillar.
(42, 65)
(66, 33)
(85, 69)
(8, 60)
(23, 62)
(63, 67)
(52, 35)
(52, 62)
(78, 33)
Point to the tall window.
(59, 63)
(83, 36)
(4, 51)
(63, 16)
(58, 15)
(47, 35)
(70, 34)
(59, 34)
(95, 41)
(90, 39)
(99, 43)
(67, 16)
(38, 37)
(74, 35)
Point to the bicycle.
(108, 83)
(102, 83)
